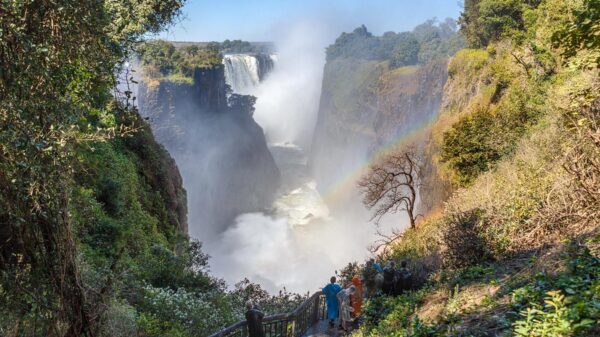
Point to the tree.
(58, 66)
(406, 51)
(485, 21)
(469, 23)
(500, 18)
(391, 185)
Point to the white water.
(298, 243)
(242, 72)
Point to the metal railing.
(293, 324)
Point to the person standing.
(403, 279)
(345, 307)
(357, 296)
(389, 276)
(254, 319)
(330, 291)
(377, 266)
(372, 277)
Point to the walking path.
(322, 329)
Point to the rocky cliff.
(222, 152)
(367, 107)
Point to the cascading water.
(296, 242)
(243, 72)
(298, 200)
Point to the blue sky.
(259, 20)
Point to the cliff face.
(366, 107)
(222, 152)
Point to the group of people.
(343, 303)
(388, 280)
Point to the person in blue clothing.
(377, 266)
(330, 291)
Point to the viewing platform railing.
(293, 324)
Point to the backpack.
(403, 278)
(388, 275)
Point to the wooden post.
(315, 317)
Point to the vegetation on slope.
(93, 228)
(515, 249)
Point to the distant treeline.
(161, 58)
(426, 42)
(239, 46)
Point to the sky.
(260, 20)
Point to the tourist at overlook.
(389, 275)
(330, 291)
(345, 308)
(254, 319)
(372, 276)
(356, 298)
(403, 279)
(377, 266)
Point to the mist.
(303, 239)
(278, 229)
(288, 99)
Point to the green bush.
(464, 243)
(486, 21)
(563, 305)
(394, 316)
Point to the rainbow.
(344, 186)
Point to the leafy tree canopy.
(426, 42)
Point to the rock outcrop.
(367, 107)
(222, 152)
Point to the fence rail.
(293, 324)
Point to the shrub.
(464, 242)
(570, 299)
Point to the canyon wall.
(220, 149)
(366, 107)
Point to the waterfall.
(243, 72)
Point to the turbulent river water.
(275, 247)
(298, 199)
(298, 242)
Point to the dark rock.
(222, 152)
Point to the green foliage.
(565, 305)
(406, 51)
(360, 44)
(58, 62)
(243, 47)
(499, 19)
(161, 59)
(467, 148)
(485, 21)
(427, 42)
(506, 110)
(394, 316)
(346, 274)
(582, 34)
(281, 302)
(468, 62)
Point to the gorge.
(296, 231)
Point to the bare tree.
(391, 186)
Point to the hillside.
(514, 249)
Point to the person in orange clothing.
(357, 296)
